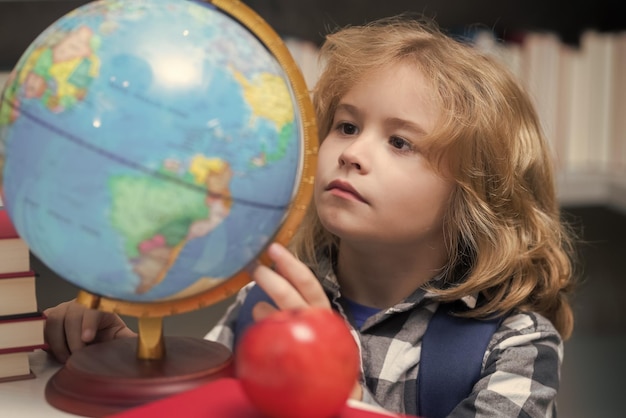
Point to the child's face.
(373, 184)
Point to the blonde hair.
(505, 238)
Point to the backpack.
(451, 358)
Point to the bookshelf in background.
(540, 70)
(21, 324)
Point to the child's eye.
(400, 143)
(347, 128)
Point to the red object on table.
(223, 398)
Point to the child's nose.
(354, 155)
(347, 161)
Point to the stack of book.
(21, 323)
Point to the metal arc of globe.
(152, 149)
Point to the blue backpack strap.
(451, 360)
(244, 317)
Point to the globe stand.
(109, 377)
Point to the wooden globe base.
(106, 378)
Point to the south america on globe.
(150, 149)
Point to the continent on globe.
(268, 96)
(154, 232)
(60, 71)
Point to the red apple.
(298, 364)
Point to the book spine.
(30, 375)
(25, 348)
(29, 316)
(7, 229)
(17, 274)
(541, 62)
(598, 46)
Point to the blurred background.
(571, 57)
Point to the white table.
(25, 398)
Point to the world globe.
(152, 149)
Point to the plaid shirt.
(520, 370)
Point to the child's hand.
(291, 285)
(71, 326)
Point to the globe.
(152, 149)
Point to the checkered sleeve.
(520, 375)
(224, 331)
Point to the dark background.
(594, 367)
(22, 20)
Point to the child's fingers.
(261, 310)
(74, 324)
(92, 322)
(282, 292)
(299, 275)
(54, 333)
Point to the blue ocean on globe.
(151, 148)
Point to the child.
(434, 183)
